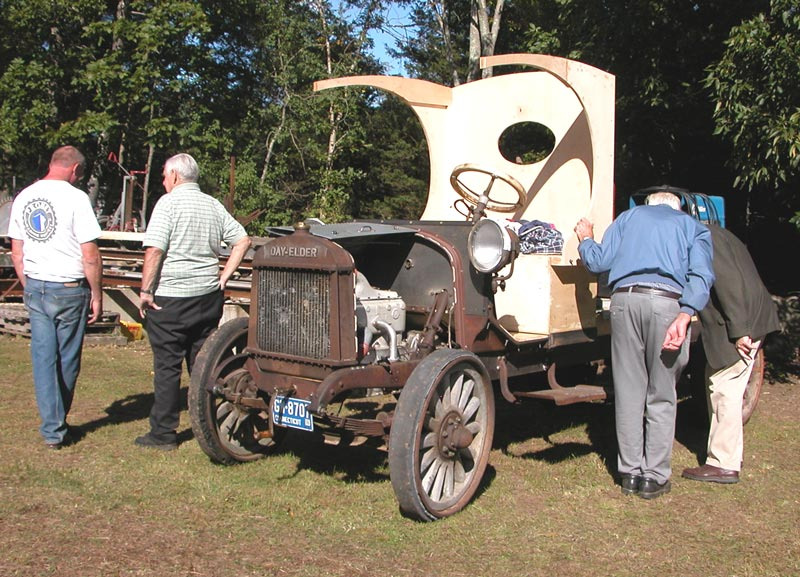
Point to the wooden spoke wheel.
(228, 432)
(441, 435)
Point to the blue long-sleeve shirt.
(657, 246)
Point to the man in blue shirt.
(659, 264)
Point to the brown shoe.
(712, 474)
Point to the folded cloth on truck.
(538, 237)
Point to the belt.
(68, 284)
(647, 290)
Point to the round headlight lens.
(490, 246)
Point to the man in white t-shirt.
(53, 231)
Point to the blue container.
(707, 209)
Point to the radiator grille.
(294, 311)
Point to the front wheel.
(441, 435)
(227, 432)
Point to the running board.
(557, 393)
(568, 395)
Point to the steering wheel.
(483, 201)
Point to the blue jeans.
(58, 316)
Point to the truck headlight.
(491, 246)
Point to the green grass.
(548, 505)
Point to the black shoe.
(630, 484)
(650, 489)
(151, 442)
(65, 442)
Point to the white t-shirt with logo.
(53, 219)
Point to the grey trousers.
(645, 376)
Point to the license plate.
(291, 412)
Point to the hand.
(146, 301)
(96, 306)
(676, 332)
(584, 229)
(746, 348)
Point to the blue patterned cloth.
(537, 237)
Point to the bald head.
(67, 163)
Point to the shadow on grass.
(366, 463)
(134, 408)
(534, 419)
(691, 427)
(348, 458)
(514, 423)
(359, 463)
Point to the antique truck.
(435, 314)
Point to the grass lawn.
(548, 505)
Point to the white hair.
(663, 198)
(184, 166)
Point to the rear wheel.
(441, 435)
(753, 391)
(696, 372)
(228, 432)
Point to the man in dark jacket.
(739, 314)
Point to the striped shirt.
(190, 226)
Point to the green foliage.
(757, 100)
(396, 180)
(332, 199)
(214, 78)
(42, 49)
(233, 78)
(22, 117)
(426, 53)
(658, 50)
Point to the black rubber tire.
(430, 478)
(226, 433)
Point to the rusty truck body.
(437, 314)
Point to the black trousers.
(176, 333)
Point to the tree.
(483, 32)
(452, 37)
(41, 52)
(658, 50)
(757, 102)
(143, 79)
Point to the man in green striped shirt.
(182, 287)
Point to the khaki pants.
(726, 389)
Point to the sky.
(396, 18)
